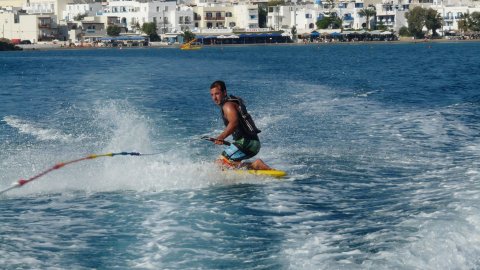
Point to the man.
(240, 125)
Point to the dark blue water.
(380, 142)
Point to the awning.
(274, 35)
(123, 38)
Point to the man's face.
(217, 95)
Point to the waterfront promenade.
(64, 46)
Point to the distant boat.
(191, 45)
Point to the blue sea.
(380, 141)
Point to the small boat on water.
(191, 45)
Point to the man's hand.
(220, 139)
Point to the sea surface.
(380, 141)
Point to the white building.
(33, 27)
(88, 8)
(245, 16)
(391, 13)
(55, 7)
(452, 15)
(183, 19)
(11, 3)
(225, 17)
(304, 18)
(133, 14)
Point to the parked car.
(26, 41)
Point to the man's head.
(218, 91)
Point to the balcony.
(214, 18)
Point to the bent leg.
(226, 163)
(259, 165)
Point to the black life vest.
(246, 128)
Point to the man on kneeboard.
(240, 125)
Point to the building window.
(158, 9)
(228, 14)
(218, 15)
(358, 5)
(208, 15)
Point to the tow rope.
(57, 166)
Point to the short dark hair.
(219, 84)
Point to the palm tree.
(367, 12)
(463, 22)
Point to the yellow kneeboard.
(270, 173)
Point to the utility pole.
(3, 28)
(163, 20)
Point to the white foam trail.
(126, 130)
(41, 134)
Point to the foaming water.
(120, 128)
(42, 134)
(383, 166)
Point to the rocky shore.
(6, 46)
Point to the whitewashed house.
(33, 27)
(87, 8)
(303, 17)
(133, 14)
(43, 7)
(391, 13)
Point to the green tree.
(403, 31)
(80, 17)
(151, 30)
(262, 15)
(367, 12)
(187, 36)
(332, 22)
(474, 21)
(381, 26)
(416, 21)
(463, 22)
(294, 33)
(433, 21)
(113, 30)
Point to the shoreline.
(43, 47)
